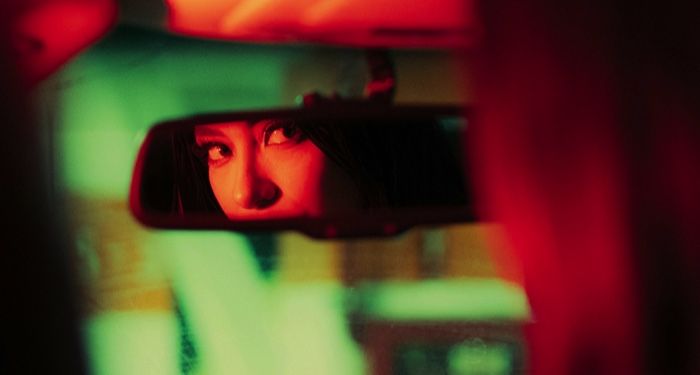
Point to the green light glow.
(466, 299)
(122, 343)
(108, 98)
(240, 321)
(478, 358)
(312, 330)
(224, 298)
(242, 324)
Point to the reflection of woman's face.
(269, 169)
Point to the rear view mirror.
(341, 170)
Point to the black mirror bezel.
(375, 224)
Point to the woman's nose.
(255, 191)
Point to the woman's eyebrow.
(259, 126)
(262, 123)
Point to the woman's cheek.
(299, 176)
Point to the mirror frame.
(378, 223)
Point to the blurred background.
(585, 152)
(430, 301)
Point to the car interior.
(349, 187)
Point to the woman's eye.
(279, 135)
(217, 152)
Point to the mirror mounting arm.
(381, 87)
(382, 84)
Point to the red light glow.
(397, 23)
(48, 33)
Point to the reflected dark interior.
(415, 162)
(169, 183)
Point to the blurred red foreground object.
(44, 34)
(588, 149)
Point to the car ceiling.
(371, 23)
(47, 33)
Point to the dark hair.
(177, 181)
(407, 164)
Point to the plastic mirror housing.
(378, 222)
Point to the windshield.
(428, 301)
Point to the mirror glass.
(403, 165)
